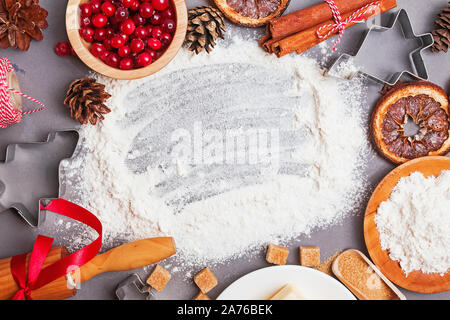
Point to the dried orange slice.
(251, 13)
(422, 102)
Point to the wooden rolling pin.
(125, 257)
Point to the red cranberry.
(109, 32)
(112, 22)
(157, 32)
(99, 20)
(104, 56)
(107, 44)
(156, 18)
(149, 29)
(166, 38)
(121, 14)
(95, 6)
(124, 51)
(85, 10)
(146, 10)
(112, 60)
(141, 32)
(124, 36)
(134, 57)
(87, 34)
(126, 64)
(144, 59)
(154, 44)
(97, 49)
(137, 45)
(152, 53)
(127, 3)
(100, 34)
(160, 4)
(168, 14)
(85, 22)
(108, 9)
(117, 42)
(138, 20)
(127, 27)
(135, 5)
(63, 48)
(168, 25)
(121, 40)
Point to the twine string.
(340, 25)
(9, 115)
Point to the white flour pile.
(414, 223)
(310, 150)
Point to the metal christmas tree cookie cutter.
(15, 179)
(415, 57)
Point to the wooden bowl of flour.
(416, 280)
(81, 47)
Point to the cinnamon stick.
(307, 39)
(281, 27)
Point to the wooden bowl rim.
(416, 280)
(80, 46)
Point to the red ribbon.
(340, 25)
(38, 277)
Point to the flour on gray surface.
(414, 223)
(167, 161)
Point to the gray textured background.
(46, 76)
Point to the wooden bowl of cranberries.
(126, 39)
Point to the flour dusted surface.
(414, 223)
(307, 173)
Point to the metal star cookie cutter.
(419, 68)
(23, 200)
(133, 284)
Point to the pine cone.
(441, 34)
(20, 22)
(85, 99)
(206, 24)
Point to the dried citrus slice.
(251, 13)
(422, 102)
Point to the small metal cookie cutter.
(27, 206)
(133, 287)
(419, 68)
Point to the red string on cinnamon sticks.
(341, 24)
(298, 31)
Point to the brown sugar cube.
(310, 256)
(277, 254)
(159, 278)
(205, 280)
(201, 296)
